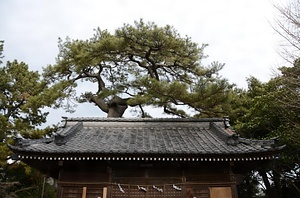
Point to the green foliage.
(22, 97)
(22, 181)
(238, 106)
(261, 117)
(272, 109)
(140, 64)
(288, 104)
(18, 85)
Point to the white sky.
(238, 32)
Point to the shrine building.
(146, 157)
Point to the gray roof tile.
(149, 137)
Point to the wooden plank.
(84, 192)
(224, 192)
(104, 192)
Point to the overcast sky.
(238, 32)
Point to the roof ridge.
(105, 119)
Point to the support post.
(233, 179)
(104, 192)
(84, 192)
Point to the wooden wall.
(132, 179)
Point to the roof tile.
(145, 137)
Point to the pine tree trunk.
(116, 111)
(116, 107)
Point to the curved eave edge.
(131, 157)
(175, 159)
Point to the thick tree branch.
(173, 112)
(153, 67)
(99, 102)
(142, 110)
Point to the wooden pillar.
(109, 188)
(84, 192)
(183, 180)
(59, 191)
(232, 179)
(104, 192)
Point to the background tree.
(139, 65)
(258, 122)
(18, 84)
(273, 108)
(21, 112)
(274, 112)
(288, 101)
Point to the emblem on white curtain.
(158, 189)
(176, 187)
(142, 188)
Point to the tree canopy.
(271, 110)
(139, 65)
(18, 87)
(21, 110)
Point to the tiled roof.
(145, 138)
